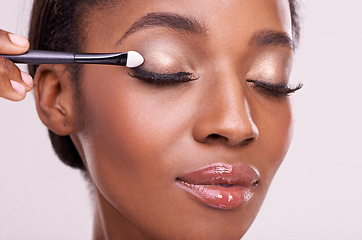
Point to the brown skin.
(137, 138)
(13, 44)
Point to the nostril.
(248, 140)
(212, 138)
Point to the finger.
(12, 44)
(13, 83)
(28, 80)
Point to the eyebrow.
(177, 22)
(267, 38)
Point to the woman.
(184, 146)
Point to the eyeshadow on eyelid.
(166, 61)
(274, 69)
(164, 52)
(163, 59)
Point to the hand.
(14, 84)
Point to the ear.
(54, 98)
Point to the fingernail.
(18, 40)
(18, 87)
(27, 79)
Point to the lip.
(220, 185)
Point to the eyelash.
(167, 79)
(162, 79)
(279, 91)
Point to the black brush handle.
(102, 58)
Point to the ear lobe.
(54, 98)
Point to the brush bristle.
(134, 59)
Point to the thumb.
(12, 44)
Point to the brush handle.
(129, 59)
(42, 57)
(102, 58)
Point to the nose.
(225, 116)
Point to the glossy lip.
(220, 185)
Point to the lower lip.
(217, 196)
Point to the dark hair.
(55, 25)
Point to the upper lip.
(239, 174)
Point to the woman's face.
(186, 146)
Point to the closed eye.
(279, 91)
(162, 79)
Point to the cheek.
(276, 129)
(131, 134)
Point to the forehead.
(231, 18)
(231, 14)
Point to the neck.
(111, 224)
(99, 228)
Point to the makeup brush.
(129, 59)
